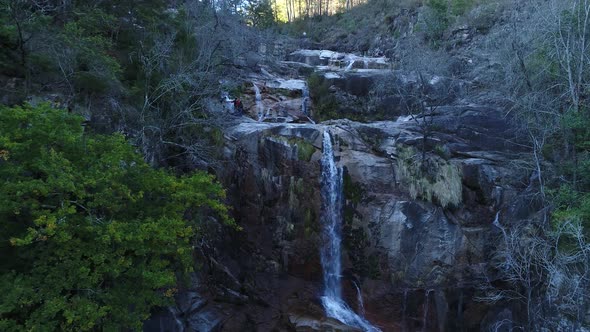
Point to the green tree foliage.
(260, 13)
(90, 236)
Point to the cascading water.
(330, 252)
(350, 64)
(426, 307)
(228, 104)
(404, 309)
(305, 95)
(359, 299)
(259, 106)
(496, 223)
(179, 325)
(332, 207)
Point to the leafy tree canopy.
(90, 235)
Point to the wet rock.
(312, 58)
(310, 317)
(419, 241)
(189, 302)
(239, 322)
(336, 59)
(174, 320)
(205, 321)
(357, 83)
(163, 321)
(392, 239)
(311, 324)
(227, 295)
(372, 171)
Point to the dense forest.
(113, 142)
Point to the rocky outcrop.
(418, 216)
(417, 228)
(415, 256)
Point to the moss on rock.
(305, 150)
(353, 191)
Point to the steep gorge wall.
(417, 263)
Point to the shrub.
(325, 103)
(434, 20)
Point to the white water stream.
(359, 299)
(331, 250)
(305, 95)
(259, 105)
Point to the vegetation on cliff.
(147, 69)
(92, 236)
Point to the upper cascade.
(331, 60)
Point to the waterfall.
(496, 223)
(426, 306)
(330, 252)
(359, 299)
(305, 95)
(259, 106)
(331, 214)
(350, 64)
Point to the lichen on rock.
(432, 179)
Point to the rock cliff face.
(416, 262)
(417, 230)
